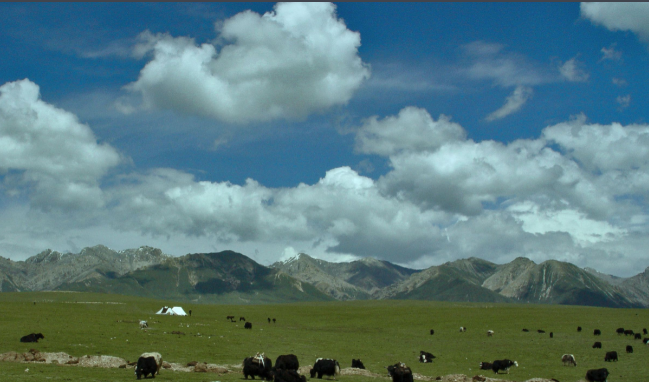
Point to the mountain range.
(232, 278)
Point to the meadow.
(378, 332)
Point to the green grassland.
(379, 332)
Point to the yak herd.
(286, 366)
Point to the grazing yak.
(526, 330)
(637, 336)
(144, 324)
(242, 318)
(597, 345)
(432, 332)
(324, 366)
(490, 333)
(357, 364)
(644, 331)
(620, 331)
(283, 375)
(425, 357)
(485, 365)
(645, 340)
(248, 325)
(628, 332)
(145, 366)
(287, 362)
(597, 332)
(568, 359)
(629, 349)
(259, 365)
(34, 337)
(503, 364)
(541, 331)
(579, 328)
(462, 329)
(610, 356)
(551, 334)
(148, 363)
(400, 372)
(597, 375)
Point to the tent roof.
(175, 311)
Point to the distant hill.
(49, 269)
(357, 280)
(232, 278)
(226, 277)
(477, 280)
(555, 282)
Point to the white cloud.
(574, 194)
(513, 103)
(572, 71)
(288, 253)
(412, 129)
(489, 61)
(583, 229)
(403, 77)
(343, 209)
(602, 148)
(611, 54)
(287, 64)
(462, 177)
(633, 17)
(619, 82)
(623, 101)
(48, 153)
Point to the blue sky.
(414, 133)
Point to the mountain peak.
(522, 260)
(296, 258)
(47, 256)
(371, 260)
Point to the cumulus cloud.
(343, 209)
(580, 227)
(632, 17)
(462, 177)
(573, 71)
(602, 148)
(573, 194)
(620, 82)
(48, 153)
(412, 129)
(286, 64)
(513, 103)
(589, 171)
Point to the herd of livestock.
(286, 366)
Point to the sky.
(416, 133)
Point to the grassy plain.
(379, 332)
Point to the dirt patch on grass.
(109, 362)
(363, 372)
(106, 361)
(201, 367)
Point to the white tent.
(175, 311)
